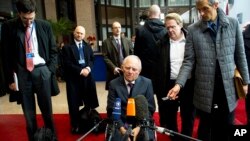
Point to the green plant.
(62, 27)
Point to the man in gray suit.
(214, 47)
(114, 50)
(119, 88)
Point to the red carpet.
(12, 127)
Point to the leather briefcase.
(239, 84)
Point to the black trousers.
(38, 81)
(215, 126)
(168, 110)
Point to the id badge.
(81, 61)
(29, 55)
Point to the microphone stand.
(111, 131)
(79, 139)
(173, 133)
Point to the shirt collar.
(182, 39)
(126, 82)
(77, 43)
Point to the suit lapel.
(75, 52)
(114, 43)
(21, 35)
(136, 88)
(125, 47)
(123, 89)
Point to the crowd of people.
(189, 70)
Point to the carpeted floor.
(12, 127)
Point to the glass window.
(117, 2)
(144, 3)
(162, 3)
(127, 3)
(103, 2)
(180, 2)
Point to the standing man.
(214, 47)
(246, 36)
(121, 88)
(80, 85)
(30, 51)
(115, 49)
(146, 38)
(171, 54)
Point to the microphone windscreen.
(141, 104)
(117, 109)
(131, 107)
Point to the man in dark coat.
(30, 52)
(171, 50)
(113, 56)
(120, 88)
(146, 38)
(78, 61)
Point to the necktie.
(119, 48)
(80, 49)
(130, 85)
(81, 54)
(28, 49)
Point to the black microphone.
(116, 114)
(142, 115)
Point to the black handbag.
(89, 119)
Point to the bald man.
(146, 38)
(80, 86)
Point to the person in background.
(214, 47)
(246, 37)
(115, 49)
(30, 51)
(146, 38)
(120, 88)
(133, 40)
(78, 61)
(60, 68)
(171, 54)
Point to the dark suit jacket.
(111, 56)
(118, 89)
(73, 78)
(13, 33)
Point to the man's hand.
(12, 87)
(84, 72)
(245, 88)
(117, 70)
(135, 132)
(173, 93)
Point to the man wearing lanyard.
(78, 61)
(30, 52)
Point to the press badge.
(81, 61)
(29, 55)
